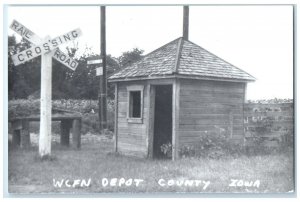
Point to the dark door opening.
(162, 122)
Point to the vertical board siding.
(131, 136)
(210, 107)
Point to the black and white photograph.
(140, 99)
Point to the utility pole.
(103, 84)
(185, 22)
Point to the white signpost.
(99, 71)
(91, 62)
(96, 61)
(48, 49)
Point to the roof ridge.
(178, 54)
(219, 58)
(162, 46)
(136, 62)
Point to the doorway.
(162, 134)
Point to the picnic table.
(21, 135)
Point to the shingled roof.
(181, 58)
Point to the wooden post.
(25, 135)
(76, 133)
(103, 83)
(65, 127)
(16, 139)
(17, 127)
(186, 23)
(151, 113)
(175, 118)
(116, 119)
(46, 97)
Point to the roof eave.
(238, 80)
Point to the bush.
(187, 151)
(166, 149)
(269, 126)
(87, 108)
(20, 108)
(90, 123)
(212, 145)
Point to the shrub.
(212, 145)
(187, 151)
(87, 108)
(19, 108)
(166, 149)
(90, 123)
(269, 126)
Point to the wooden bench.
(21, 135)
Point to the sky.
(256, 39)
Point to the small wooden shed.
(174, 95)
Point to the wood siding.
(210, 106)
(132, 139)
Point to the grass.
(27, 173)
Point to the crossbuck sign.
(48, 49)
(41, 47)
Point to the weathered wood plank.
(133, 135)
(212, 121)
(65, 127)
(116, 118)
(207, 103)
(200, 105)
(200, 131)
(191, 134)
(137, 142)
(195, 101)
(123, 114)
(209, 93)
(123, 123)
(141, 129)
(210, 116)
(196, 142)
(199, 89)
(131, 147)
(16, 139)
(195, 83)
(128, 152)
(208, 127)
(76, 133)
(175, 118)
(122, 106)
(25, 135)
(151, 120)
(206, 110)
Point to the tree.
(129, 57)
(24, 80)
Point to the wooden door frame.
(151, 114)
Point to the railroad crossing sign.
(97, 60)
(48, 49)
(44, 46)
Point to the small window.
(135, 104)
